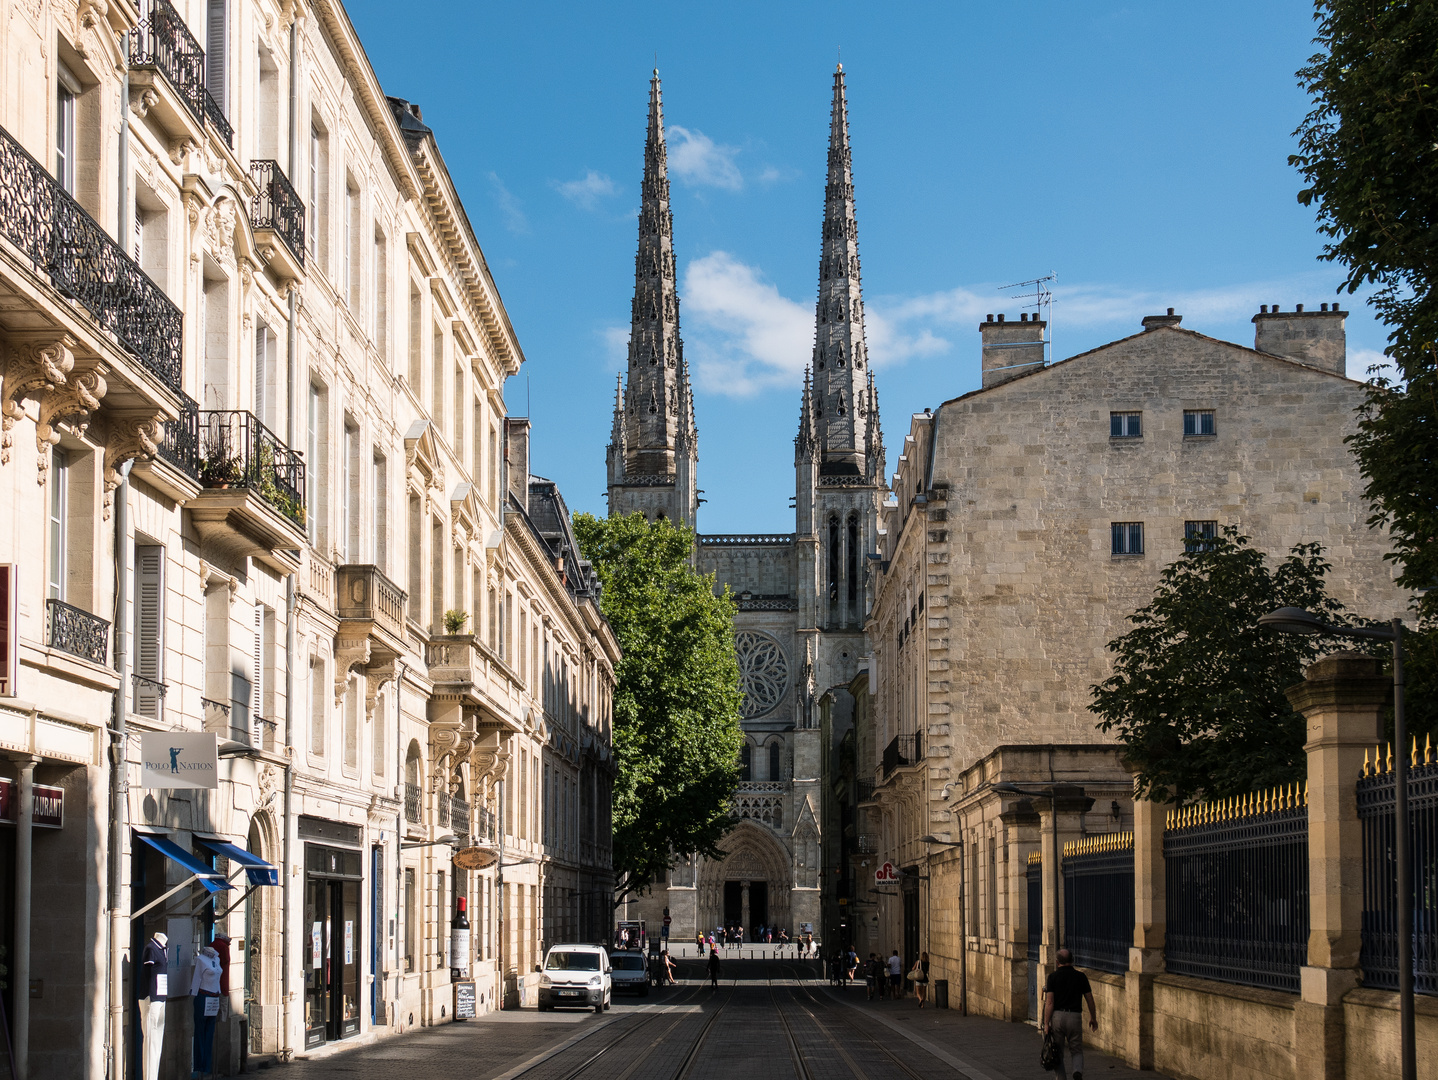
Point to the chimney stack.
(516, 459)
(1316, 338)
(1011, 349)
(1153, 322)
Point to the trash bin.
(941, 993)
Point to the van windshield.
(572, 961)
(627, 963)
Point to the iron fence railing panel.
(236, 450)
(1098, 900)
(412, 801)
(84, 264)
(459, 817)
(278, 206)
(181, 443)
(215, 114)
(76, 631)
(1377, 812)
(1237, 885)
(162, 41)
(903, 750)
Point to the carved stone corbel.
(73, 402)
(181, 149)
(349, 653)
(32, 369)
(130, 437)
(378, 677)
(142, 100)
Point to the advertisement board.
(179, 759)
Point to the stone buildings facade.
(259, 481)
(801, 596)
(1026, 520)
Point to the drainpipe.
(119, 795)
(286, 1052)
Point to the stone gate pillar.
(1150, 924)
(1342, 698)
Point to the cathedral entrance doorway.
(750, 885)
(746, 904)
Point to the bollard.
(941, 993)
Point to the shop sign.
(49, 808)
(179, 759)
(886, 874)
(464, 1001)
(474, 858)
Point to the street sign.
(886, 873)
(474, 858)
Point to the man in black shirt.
(1064, 994)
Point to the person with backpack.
(1064, 994)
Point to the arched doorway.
(750, 885)
(261, 955)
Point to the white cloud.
(743, 334)
(616, 346)
(510, 208)
(1361, 361)
(586, 192)
(699, 160)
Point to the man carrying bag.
(1064, 994)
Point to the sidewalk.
(982, 1048)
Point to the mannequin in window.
(154, 989)
(205, 988)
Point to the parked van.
(576, 975)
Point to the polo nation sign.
(179, 759)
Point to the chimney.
(1316, 338)
(1153, 322)
(1011, 349)
(516, 459)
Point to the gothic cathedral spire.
(653, 450)
(842, 397)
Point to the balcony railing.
(413, 799)
(236, 450)
(483, 826)
(903, 750)
(278, 207)
(363, 592)
(218, 120)
(181, 443)
(63, 242)
(459, 817)
(76, 632)
(162, 41)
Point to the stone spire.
(658, 405)
(841, 356)
(806, 443)
(874, 437)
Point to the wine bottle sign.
(459, 942)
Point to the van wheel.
(598, 1008)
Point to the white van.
(576, 975)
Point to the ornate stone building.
(802, 596)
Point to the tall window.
(436, 584)
(149, 629)
(746, 755)
(379, 750)
(436, 359)
(379, 315)
(851, 568)
(459, 396)
(775, 767)
(410, 918)
(217, 44)
(352, 272)
(523, 645)
(493, 467)
(416, 351)
(59, 539)
(67, 90)
(352, 708)
(266, 383)
(380, 495)
(317, 223)
(476, 428)
(1127, 537)
(351, 493)
(319, 695)
(315, 435)
(416, 557)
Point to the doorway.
(910, 888)
(333, 944)
(758, 907)
(733, 903)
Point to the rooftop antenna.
(1043, 302)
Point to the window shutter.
(149, 628)
(257, 676)
(215, 50)
(262, 342)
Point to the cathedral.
(801, 596)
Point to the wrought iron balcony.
(459, 816)
(483, 828)
(63, 242)
(363, 592)
(162, 41)
(413, 800)
(181, 443)
(218, 120)
(76, 632)
(278, 207)
(903, 750)
(235, 450)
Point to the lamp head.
(1292, 620)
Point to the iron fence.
(84, 264)
(162, 41)
(1377, 812)
(180, 445)
(459, 817)
(903, 750)
(215, 114)
(236, 450)
(1237, 883)
(278, 206)
(1098, 900)
(76, 632)
(412, 801)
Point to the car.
(630, 971)
(576, 975)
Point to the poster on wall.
(349, 941)
(179, 759)
(316, 946)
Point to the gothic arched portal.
(753, 855)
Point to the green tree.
(677, 703)
(1196, 697)
(1368, 153)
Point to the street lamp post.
(963, 917)
(1291, 620)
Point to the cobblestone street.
(769, 1019)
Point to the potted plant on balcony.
(454, 621)
(219, 470)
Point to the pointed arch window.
(774, 762)
(852, 568)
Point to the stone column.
(1060, 820)
(1150, 914)
(744, 908)
(1342, 698)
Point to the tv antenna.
(1041, 291)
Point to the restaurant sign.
(49, 804)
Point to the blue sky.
(1138, 151)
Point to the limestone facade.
(259, 480)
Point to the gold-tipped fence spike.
(1365, 762)
(1413, 757)
(1390, 757)
(1428, 749)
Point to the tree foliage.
(1197, 694)
(1368, 153)
(677, 703)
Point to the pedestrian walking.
(896, 975)
(714, 969)
(919, 976)
(669, 979)
(1064, 994)
(873, 974)
(783, 938)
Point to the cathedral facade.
(802, 596)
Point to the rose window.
(763, 672)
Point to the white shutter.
(257, 676)
(262, 338)
(149, 628)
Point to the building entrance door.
(332, 948)
(1035, 917)
(758, 909)
(910, 884)
(733, 903)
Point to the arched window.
(853, 569)
(744, 763)
(774, 761)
